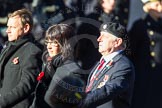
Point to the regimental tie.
(98, 71)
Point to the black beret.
(114, 28)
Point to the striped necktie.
(100, 66)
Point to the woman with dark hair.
(66, 86)
(61, 34)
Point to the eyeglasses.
(53, 43)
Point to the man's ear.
(118, 42)
(26, 28)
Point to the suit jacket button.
(152, 54)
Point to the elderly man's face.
(107, 43)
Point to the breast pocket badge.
(101, 84)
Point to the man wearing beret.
(111, 81)
(146, 44)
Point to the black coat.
(49, 68)
(146, 45)
(19, 66)
(67, 86)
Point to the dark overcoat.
(146, 54)
(19, 66)
(49, 67)
(67, 86)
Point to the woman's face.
(53, 47)
(108, 5)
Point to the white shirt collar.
(110, 56)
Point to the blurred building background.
(136, 11)
(56, 11)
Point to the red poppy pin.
(15, 60)
(40, 76)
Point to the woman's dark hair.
(64, 34)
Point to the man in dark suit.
(19, 62)
(110, 83)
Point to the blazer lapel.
(92, 71)
(105, 70)
(4, 58)
(8, 55)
